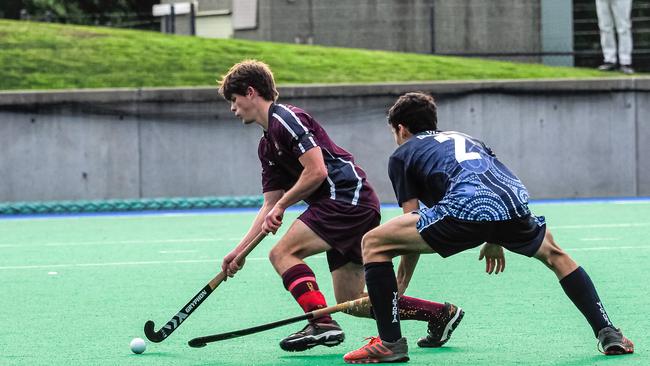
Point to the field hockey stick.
(203, 341)
(175, 322)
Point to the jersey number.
(459, 147)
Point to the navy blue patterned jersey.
(458, 175)
(292, 132)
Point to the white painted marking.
(121, 242)
(236, 240)
(596, 226)
(604, 248)
(177, 251)
(477, 250)
(53, 273)
(136, 263)
(599, 239)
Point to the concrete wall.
(488, 27)
(396, 25)
(563, 138)
(421, 26)
(518, 29)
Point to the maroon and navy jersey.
(292, 132)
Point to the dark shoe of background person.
(607, 66)
(627, 69)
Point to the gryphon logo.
(395, 310)
(196, 300)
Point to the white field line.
(598, 239)
(121, 242)
(177, 251)
(216, 261)
(587, 249)
(603, 226)
(236, 240)
(605, 248)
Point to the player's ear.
(401, 130)
(251, 92)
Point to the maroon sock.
(301, 282)
(411, 308)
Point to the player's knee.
(274, 255)
(277, 253)
(370, 244)
(550, 253)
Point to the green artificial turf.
(76, 290)
(54, 56)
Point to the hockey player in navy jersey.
(470, 198)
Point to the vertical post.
(172, 16)
(192, 19)
(432, 25)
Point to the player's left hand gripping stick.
(175, 322)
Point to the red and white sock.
(301, 282)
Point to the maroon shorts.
(341, 226)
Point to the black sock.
(578, 286)
(382, 289)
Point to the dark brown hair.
(416, 111)
(247, 73)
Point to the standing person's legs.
(579, 288)
(606, 26)
(622, 10)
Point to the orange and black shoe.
(378, 351)
(439, 330)
(613, 342)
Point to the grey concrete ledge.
(209, 94)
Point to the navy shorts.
(341, 226)
(448, 235)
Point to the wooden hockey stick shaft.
(344, 306)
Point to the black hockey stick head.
(196, 343)
(151, 334)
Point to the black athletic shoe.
(626, 69)
(314, 334)
(614, 342)
(440, 329)
(607, 66)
